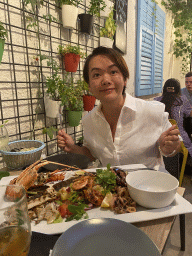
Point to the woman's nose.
(106, 78)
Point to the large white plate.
(106, 237)
(179, 206)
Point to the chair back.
(184, 151)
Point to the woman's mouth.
(109, 90)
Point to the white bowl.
(152, 189)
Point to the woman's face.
(106, 81)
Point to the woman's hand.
(65, 141)
(169, 141)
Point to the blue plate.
(104, 237)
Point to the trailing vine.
(182, 14)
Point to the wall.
(172, 66)
(22, 78)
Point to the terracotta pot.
(71, 62)
(74, 117)
(88, 102)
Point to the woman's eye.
(113, 72)
(96, 75)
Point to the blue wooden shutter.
(149, 49)
(159, 50)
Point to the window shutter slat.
(159, 51)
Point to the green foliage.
(110, 26)
(71, 49)
(3, 31)
(85, 87)
(182, 14)
(50, 131)
(68, 2)
(71, 97)
(32, 6)
(50, 18)
(4, 123)
(95, 6)
(54, 83)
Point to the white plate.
(179, 206)
(106, 237)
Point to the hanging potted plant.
(73, 102)
(3, 36)
(69, 13)
(71, 57)
(88, 98)
(107, 33)
(54, 86)
(86, 19)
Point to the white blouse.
(139, 127)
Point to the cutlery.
(133, 169)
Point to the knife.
(134, 169)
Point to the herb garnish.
(76, 196)
(106, 178)
(78, 212)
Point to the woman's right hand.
(65, 141)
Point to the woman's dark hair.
(171, 95)
(113, 55)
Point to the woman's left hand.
(169, 141)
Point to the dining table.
(157, 230)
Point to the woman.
(122, 129)
(177, 106)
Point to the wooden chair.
(173, 167)
(183, 151)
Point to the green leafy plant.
(84, 86)
(95, 6)
(71, 97)
(68, 2)
(80, 141)
(50, 131)
(182, 14)
(3, 31)
(4, 123)
(110, 26)
(32, 19)
(54, 83)
(71, 49)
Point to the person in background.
(121, 129)
(177, 106)
(187, 91)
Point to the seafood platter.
(59, 199)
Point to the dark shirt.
(188, 95)
(178, 113)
